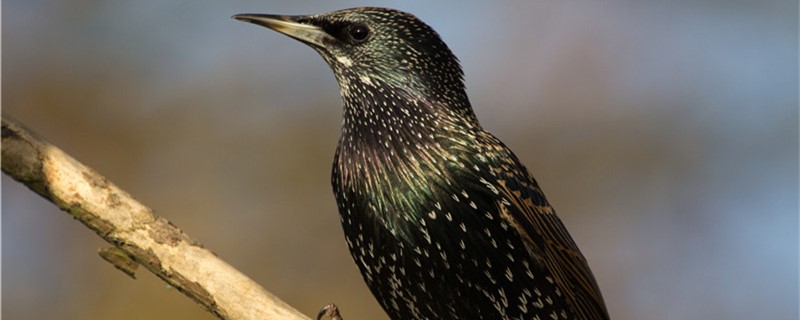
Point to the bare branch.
(140, 235)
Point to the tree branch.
(140, 237)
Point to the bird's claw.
(331, 310)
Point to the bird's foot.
(331, 310)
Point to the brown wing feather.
(534, 218)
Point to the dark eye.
(358, 32)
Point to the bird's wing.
(529, 212)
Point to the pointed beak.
(288, 25)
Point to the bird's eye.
(358, 32)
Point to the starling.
(442, 219)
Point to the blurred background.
(664, 132)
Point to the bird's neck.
(394, 132)
(396, 145)
(388, 118)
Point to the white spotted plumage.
(441, 218)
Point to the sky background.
(665, 133)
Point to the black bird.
(441, 218)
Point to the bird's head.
(376, 47)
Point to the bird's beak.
(288, 25)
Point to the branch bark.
(139, 236)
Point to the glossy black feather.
(441, 218)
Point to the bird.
(440, 216)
